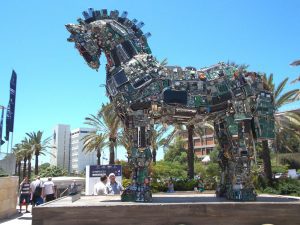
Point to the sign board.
(94, 172)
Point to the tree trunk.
(29, 167)
(190, 153)
(112, 150)
(266, 160)
(154, 156)
(98, 156)
(24, 168)
(19, 170)
(16, 168)
(36, 168)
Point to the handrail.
(61, 194)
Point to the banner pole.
(11, 142)
(1, 125)
(7, 147)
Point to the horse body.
(145, 92)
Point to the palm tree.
(296, 63)
(27, 151)
(94, 142)
(125, 140)
(157, 140)
(19, 157)
(24, 164)
(191, 151)
(38, 146)
(106, 121)
(112, 123)
(281, 125)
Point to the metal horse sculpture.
(145, 92)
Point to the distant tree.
(52, 171)
(125, 140)
(190, 151)
(39, 146)
(106, 121)
(157, 140)
(287, 125)
(27, 151)
(164, 170)
(44, 166)
(175, 152)
(94, 142)
(19, 158)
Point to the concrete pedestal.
(8, 196)
(177, 208)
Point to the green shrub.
(289, 187)
(158, 187)
(200, 169)
(290, 159)
(270, 190)
(284, 187)
(210, 183)
(185, 185)
(280, 169)
(213, 170)
(126, 182)
(164, 170)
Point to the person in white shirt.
(100, 187)
(49, 191)
(114, 187)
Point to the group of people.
(36, 192)
(105, 187)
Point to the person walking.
(73, 188)
(114, 187)
(24, 194)
(170, 186)
(48, 190)
(36, 189)
(100, 187)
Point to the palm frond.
(286, 98)
(280, 87)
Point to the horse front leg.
(139, 158)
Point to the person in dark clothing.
(24, 194)
(36, 191)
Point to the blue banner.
(10, 113)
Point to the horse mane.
(133, 25)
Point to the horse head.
(118, 37)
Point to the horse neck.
(123, 44)
(123, 52)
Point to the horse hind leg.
(235, 157)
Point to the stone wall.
(8, 164)
(168, 209)
(8, 196)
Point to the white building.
(80, 159)
(61, 151)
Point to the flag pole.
(7, 146)
(1, 125)
(11, 143)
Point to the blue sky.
(56, 86)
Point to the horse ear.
(73, 28)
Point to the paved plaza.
(19, 219)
